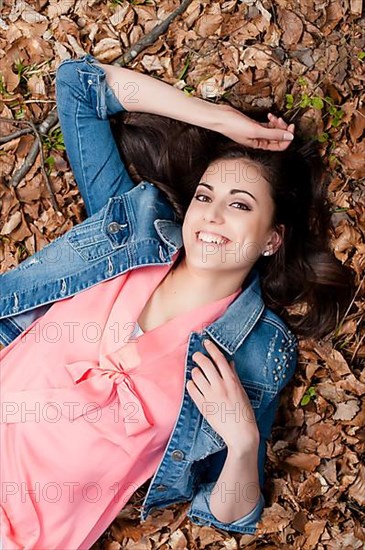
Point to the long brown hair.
(303, 281)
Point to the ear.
(277, 238)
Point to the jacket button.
(113, 227)
(177, 455)
(161, 488)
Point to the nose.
(213, 213)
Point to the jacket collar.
(230, 330)
(171, 234)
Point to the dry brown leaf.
(303, 461)
(275, 518)
(12, 223)
(107, 50)
(346, 238)
(209, 22)
(346, 411)
(7, 164)
(313, 530)
(357, 489)
(59, 7)
(292, 26)
(357, 125)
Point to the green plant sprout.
(22, 252)
(20, 113)
(185, 68)
(324, 104)
(50, 161)
(3, 90)
(309, 395)
(54, 140)
(188, 90)
(25, 71)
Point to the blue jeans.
(84, 102)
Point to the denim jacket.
(137, 227)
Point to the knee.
(68, 84)
(66, 73)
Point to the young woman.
(140, 343)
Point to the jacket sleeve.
(84, 102)
(199, 511)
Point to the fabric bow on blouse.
(96, 385)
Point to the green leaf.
(361, 55)
(20, 113)
(51, 161)
(188, 89)
(302, 81)
(317, 103)
(322, 138)
(185, 69)
(305, 101)
(305, 400)
(289, 101)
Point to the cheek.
(188, 222)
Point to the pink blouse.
(87, 409)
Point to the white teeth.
(208, 238)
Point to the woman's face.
(228, 223)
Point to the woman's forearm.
(237, 490)
(142, 93)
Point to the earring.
(266, 253)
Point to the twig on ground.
(36, 148)
(151, 37)
(14, 135)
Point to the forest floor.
(304, 60)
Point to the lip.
(214, 234)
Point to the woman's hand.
(218, 393)
(274, 135)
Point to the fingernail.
(206, 342)
(288, 136)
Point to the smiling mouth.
(209, 238)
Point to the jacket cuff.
(200, 513)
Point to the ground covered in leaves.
(304, 60)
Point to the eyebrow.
(232, 191)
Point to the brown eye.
(242, 206)
(197, 197)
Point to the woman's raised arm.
(142, 93)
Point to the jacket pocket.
(90, 241)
